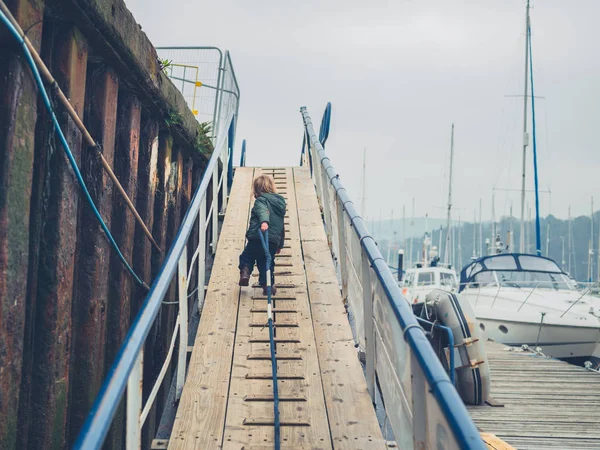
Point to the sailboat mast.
(410, 243)
(591, 251)
(569, 248)
(364, 185)
(525, 135)
(480, 227)
(447, 250)
(474, 234)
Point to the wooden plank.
(94, 250)
(53, 325)
(249, 424)
(201, 413)
(351, 415)
(493, 442)
(547, 403)
(18, 118)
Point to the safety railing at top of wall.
(126, 372)
(206, 78)
(421, 403)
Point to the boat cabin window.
(522, 280)
(448, 280)
(426, 279)
(534, 263)
(501, 262)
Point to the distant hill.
(386, 233)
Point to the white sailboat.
(528, 299)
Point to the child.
(267, 214)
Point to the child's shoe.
(244, 276)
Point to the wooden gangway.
(541, 403)
(227, 400)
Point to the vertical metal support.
(133, 440)
(225, 160)
(215, 208)
(327, 207)
(342, 251)
(219, 98)
(201, 253)
(419, 404)
(183, 322)
(368, 320)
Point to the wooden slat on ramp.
(344, 385)
(228, 398)
(201, 412)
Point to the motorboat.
(421, 280)
(527, 299)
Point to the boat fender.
(472, 368)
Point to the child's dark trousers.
(254, 253)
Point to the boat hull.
(573, 343)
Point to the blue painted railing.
(126, 370)
(387, 318)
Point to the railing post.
(419, 403)
(133, 440)
(183, 322)
(201, 252)
(225, 159)
(215, 209)
(326, 206)
(342, 251)
(368, 321)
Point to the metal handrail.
(447, 397)
(126, 370)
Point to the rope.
(65, 145)
(264, 240)
(45, 73)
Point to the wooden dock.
(548, 403)
(227, 401)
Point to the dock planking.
(227, 400)
(548, 403)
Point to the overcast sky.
(398, 73)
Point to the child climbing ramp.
(267, 214)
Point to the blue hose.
(63, 141)
(264, 240)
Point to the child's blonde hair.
(263, 184)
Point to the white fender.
(471, 366)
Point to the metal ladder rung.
(269, 398)
(279, 357)
(277, 340)
(259, 422)
(275, 324)
(269, 376)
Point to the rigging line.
(538, 245)
(264, 240)
(86, 135)
(40, 84)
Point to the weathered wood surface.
(352, 421)
(201, 413)
(227, 401)
(93, 252)
(18, 117)
(547, 403)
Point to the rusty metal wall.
(65, 300)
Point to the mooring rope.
(264, 240)
(65, 145)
